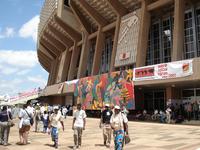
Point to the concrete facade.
(66, 34)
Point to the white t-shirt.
(24, 115)
(79, 115)
(42, 109)
(117, 120)
(55, 120)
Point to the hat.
(117, 107)
(55, 107)
(107, 105)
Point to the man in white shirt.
(78, 125)
(56, 120)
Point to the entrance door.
(154, 99)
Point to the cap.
(55, 107)
(107, 105)
(117, 107)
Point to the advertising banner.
(164, 71)
(115, 88)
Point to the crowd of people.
(48, 119)
(174, 113)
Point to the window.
(167, 39)
(189, 51)
(66, 3)
(90, 59)
(160, 41)
(198, 31)
(106, 55)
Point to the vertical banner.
(128, 39)
(115, 88)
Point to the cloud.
(7, 33)
(21, 59)
(30, 28)
(23, 72)
(9, 87)
(37, 79)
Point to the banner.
(115, 88)
(128, 39)
(164, 71)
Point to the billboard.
(164, 71)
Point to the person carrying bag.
(31, 118)
(5, 124)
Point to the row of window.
(160, 42)
(161, 35)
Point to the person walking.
(119, 124)
(55, 120)
(45, 119)
(78, 125)
(5, 116)
(25, 124)
(105, 124)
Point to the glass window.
(160, 41)
(198, 31)
(66, 3)
(106, 55)
(188, 93)
(167, 39)
(90, 59)
(189, 51)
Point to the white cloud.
(8, 70)
(37, 79)
(30, 28)
(9, 87)
(7, 33)
(23, 72)
(23, 59)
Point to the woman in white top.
(119, 123)
(24, 115)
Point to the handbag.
(10, 122)
(127, 139)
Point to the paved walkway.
(144, 136)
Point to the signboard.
(128, 39)
(164, 71)
(115, 88)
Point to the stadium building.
(80, 38)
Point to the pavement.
(144, 136)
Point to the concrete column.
(53, 70)
(178, 33)
(84, 55)
(114, 49)
(143, 36)
(98, 51)
(74, 59)
(63, 66)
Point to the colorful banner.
(164, 71)
(115, 88)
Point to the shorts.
(24, 128)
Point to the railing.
(47, 11)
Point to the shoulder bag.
(10, 122)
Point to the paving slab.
(144, 136)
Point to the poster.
(164, 71)
(114, 88)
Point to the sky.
(20, 70)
